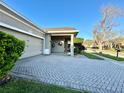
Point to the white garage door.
(34, 45)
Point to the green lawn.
(23, 86)
(122, 50)
(110, 56)
(91, 56)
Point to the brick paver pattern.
(97, 76)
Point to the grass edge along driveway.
(111, 57)
(91, 56)
(23, 86)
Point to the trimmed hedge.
(11, 49)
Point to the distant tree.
(103, 30)
(88, 43)
(119, 40)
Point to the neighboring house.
(38, 41)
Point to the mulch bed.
(6, 79)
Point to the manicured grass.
(122, 50)
(110, 56)
(91, 56)
(23, 86)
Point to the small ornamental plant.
(11, 49)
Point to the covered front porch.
(62, 43)
(60, 40)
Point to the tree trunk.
(117, 53)
(111, 46)
(100, 47)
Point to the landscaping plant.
(11, 49)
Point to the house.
(38, 41)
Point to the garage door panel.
(34, 45)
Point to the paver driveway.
(75, 72)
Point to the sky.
(80, 14)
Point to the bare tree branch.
(103, 31)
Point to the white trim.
(44, 46)
(61, 34)
(72, 45)
(35, 26)
(19, 30)
(67, 31)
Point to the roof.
(60, 29)
(64, 30)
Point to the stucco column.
(72, 45)
(47, 43)
(43, 45)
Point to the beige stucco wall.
(34, 46)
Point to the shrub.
(79, 48)
(11, 49)
(76, 50)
